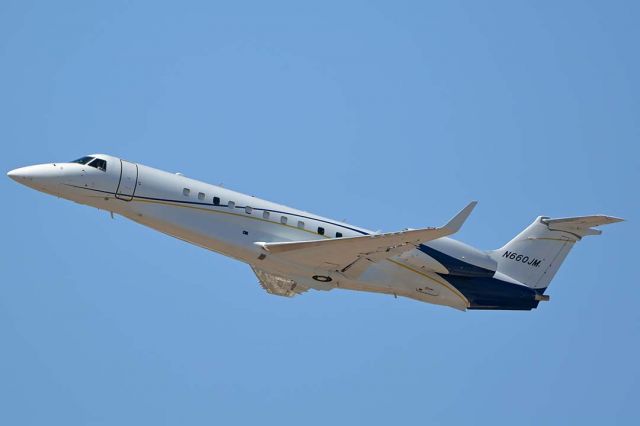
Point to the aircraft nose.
(21, 173)
(37, 176)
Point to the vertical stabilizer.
(534, 256)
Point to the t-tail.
(534, 256)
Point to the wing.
(278, 285)
(352, 254)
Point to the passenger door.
(128, 181)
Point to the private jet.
(291, 251)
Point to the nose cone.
(17, 174)
(38, 177)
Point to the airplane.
(291, 251)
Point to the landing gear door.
(128, 181)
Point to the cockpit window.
(83, 160)
(99, 164)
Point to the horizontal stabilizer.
(580, 226)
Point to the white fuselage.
(230, 223)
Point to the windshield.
(99, 164)
(83, 160)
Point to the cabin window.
(338, 234)
(300, 224)
(200, 195)
(216, 201)
(247, 210)
(265, 214)
(186, 191)
(99, 164)
(320, 230)
(231, 205)
(283, 220)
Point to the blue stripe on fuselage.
(455, 266)
(491, 293)
(478, 285)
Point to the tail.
(534, 256)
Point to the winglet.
(456, 222)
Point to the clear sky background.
(386, 114)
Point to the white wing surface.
(349, 255)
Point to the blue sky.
(386, 114)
